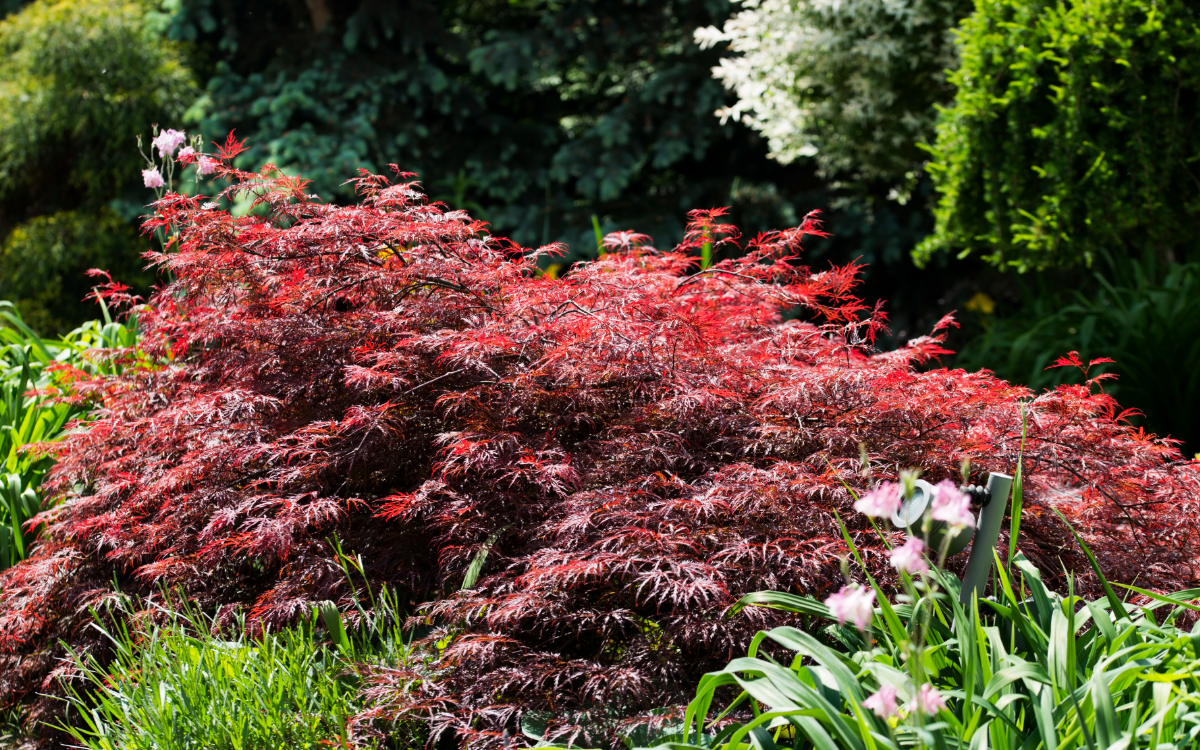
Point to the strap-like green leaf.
(1117, 606)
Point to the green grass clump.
(190, 684)
(183, 688)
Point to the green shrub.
(78, 80)
(540, 114)
(1073, 132)
(44, 264)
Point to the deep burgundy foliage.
(645, 443)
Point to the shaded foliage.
(534, 115)
(636, 443)
(46, 260)
(1143, 315)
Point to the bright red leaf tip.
(231, 148)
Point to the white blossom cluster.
(851, 82)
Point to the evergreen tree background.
(78, 80)
(535, 116)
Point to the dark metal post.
(987, 533)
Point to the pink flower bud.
(951, 506)
(880, 502)
(907, 558)
(928, 701)
(854, 604)
(152, 178)
(883, 702)
(207, 165)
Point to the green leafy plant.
(1028, 670)
(30, 369)
(1073, 132)
(533, 116)
(196, 681)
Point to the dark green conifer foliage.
(534, 115)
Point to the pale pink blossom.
(880, 502)
(167, 141)
(152, 178)
(854, 604)
(883, 702)
(207, 165)
(952, 506)
(928, 701)
(187, 155)
(907, 557)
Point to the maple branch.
(696, 276)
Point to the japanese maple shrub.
(636, 444)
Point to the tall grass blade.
(1018, 495)
(1114, 601)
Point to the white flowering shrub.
(851, 82)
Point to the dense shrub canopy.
(533, 115)
(638, 445)
(1073, 133)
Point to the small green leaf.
(476, 566)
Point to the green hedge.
(1074, 131)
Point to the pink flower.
(152, 178)
(167, 141)
(187, 155)
(207, 165)
(882, 501)
(853, 603)
(952, 506)
(908, 559)
(928, 701)
(883, 702)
